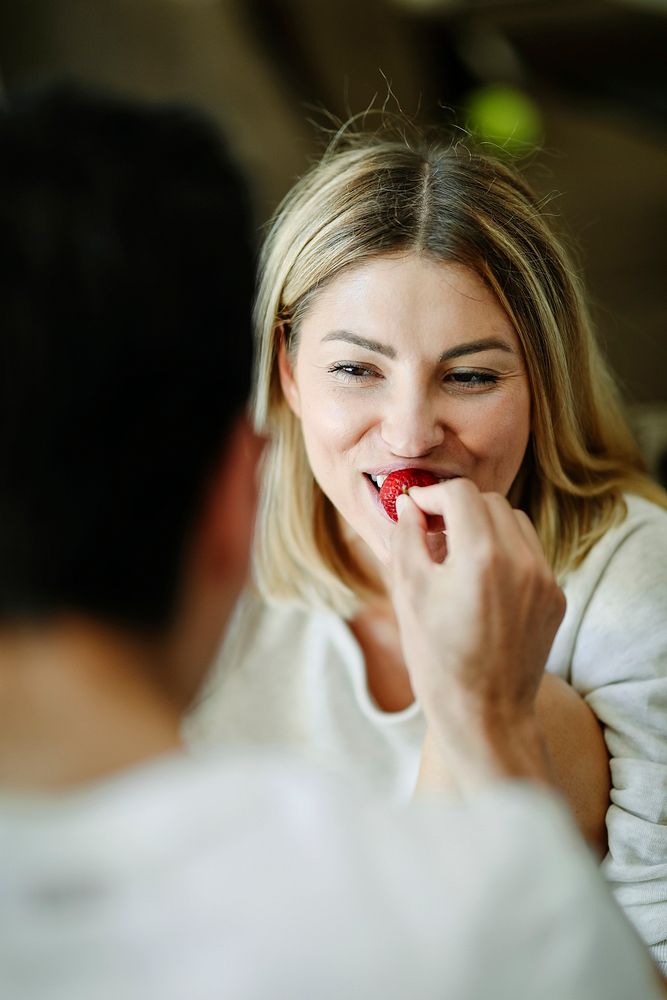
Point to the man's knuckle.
(496, 499)
(486, 557)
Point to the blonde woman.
(415, 311)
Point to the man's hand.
(476, 629)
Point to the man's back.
(252, 878)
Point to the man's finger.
(460, 504)
(410, 553)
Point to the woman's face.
(406, 362)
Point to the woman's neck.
(376, 630)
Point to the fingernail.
(401, 503)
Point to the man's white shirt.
(250, 876)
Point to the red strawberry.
(399, 482)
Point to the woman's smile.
(404, 362)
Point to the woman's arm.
(619, 664)
(578, 755)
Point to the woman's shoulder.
(643, 520)
(616, 601)
(644, 513)
(259, 628)
(635, 549)
(284, 635)
(257, 667)
(637, 539)
(259, 622)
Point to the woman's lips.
(374, 491)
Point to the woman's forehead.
(408, 295)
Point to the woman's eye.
(472, 379)
(351, 372)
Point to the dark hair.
(126, 277)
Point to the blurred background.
(576, 89)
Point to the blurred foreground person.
(127, 498)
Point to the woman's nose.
(412, 425)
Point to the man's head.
(125, 351)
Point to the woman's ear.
(287, 379)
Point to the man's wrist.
(493, 749)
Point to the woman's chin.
(372, 549)
(375, 552)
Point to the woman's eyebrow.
(363, 342)
(460, 351)
(476, 347)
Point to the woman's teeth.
(378, 480)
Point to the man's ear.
(216, 570)
(228, 518)
(287, 379)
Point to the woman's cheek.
(336, 422)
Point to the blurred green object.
(505, 115)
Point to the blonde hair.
(376, 196)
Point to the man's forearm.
(465, 758)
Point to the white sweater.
(297, 679)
